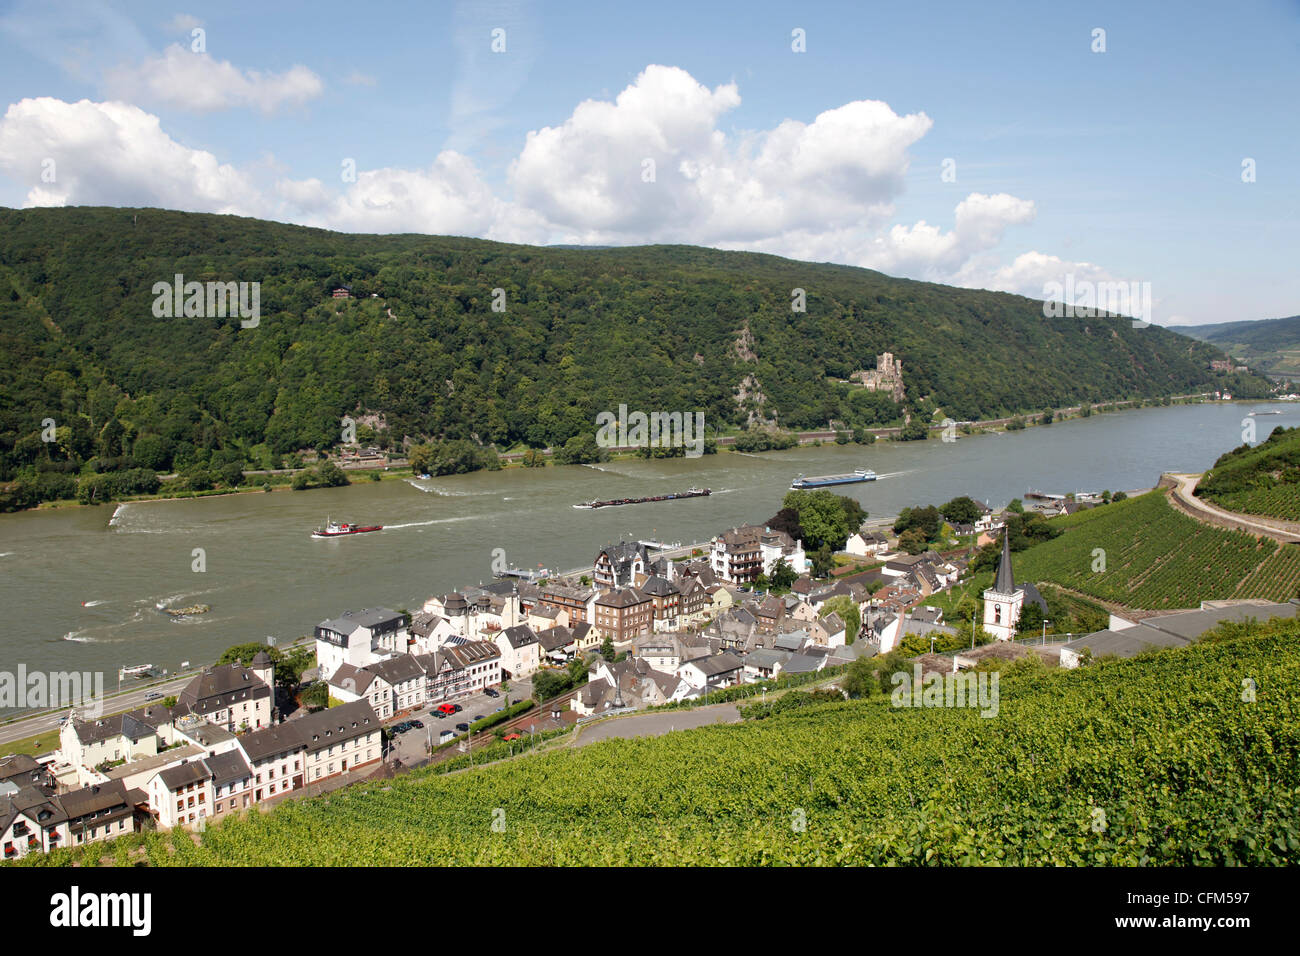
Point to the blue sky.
(1124, 164)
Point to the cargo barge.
(675, 496)
(823, 481)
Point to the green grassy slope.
(1158, 558)
(1156, 760)
(1263, 480)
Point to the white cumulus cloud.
(114, 154)
(199, 82)
(656, 164)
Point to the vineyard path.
(1183, 498)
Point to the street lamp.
(1045, 623)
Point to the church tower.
(1003, 601)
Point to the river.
(80, 587)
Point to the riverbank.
(514, 460)
(83, 592)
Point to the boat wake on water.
(419, 524)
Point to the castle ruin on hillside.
(887, 376)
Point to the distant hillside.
(1263, 480)
(1146, 762)
(1262, 334)
(420, 351)
(1269, 345)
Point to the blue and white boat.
(823, 481)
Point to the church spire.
(1006, 579)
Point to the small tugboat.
(334, 530)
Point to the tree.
(823, 560)
(316, 696)
(607, 648)
(782, 576)
(1031, 619)
(231, 475)
(854, 513)
(331, 475)
(169, 701)
(787, 520)
(1118, 496)
(581, 449)
(962, 510)
(968, 608)
(550, 682)
(1017, 506)
(912, 541)
(283, 671)
(860, 680)
(822, 516)
(849, 613)
(915, 430)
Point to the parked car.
(447, 708)
(491, 693)
(417, 724)
(457, 707)
(462, 727)
(439, 714)
(401, 728)
(511, 736)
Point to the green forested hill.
(1263, 480)
(1260, 334)
(1268, 345)
(657, 328)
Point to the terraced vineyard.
(1279, 501)
(1259, 480)
(1158, 558)
(1155, 760)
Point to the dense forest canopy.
(419, 353)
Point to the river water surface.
(80, 588)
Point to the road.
(657, 724)
(115, 703)
(1184, 499)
